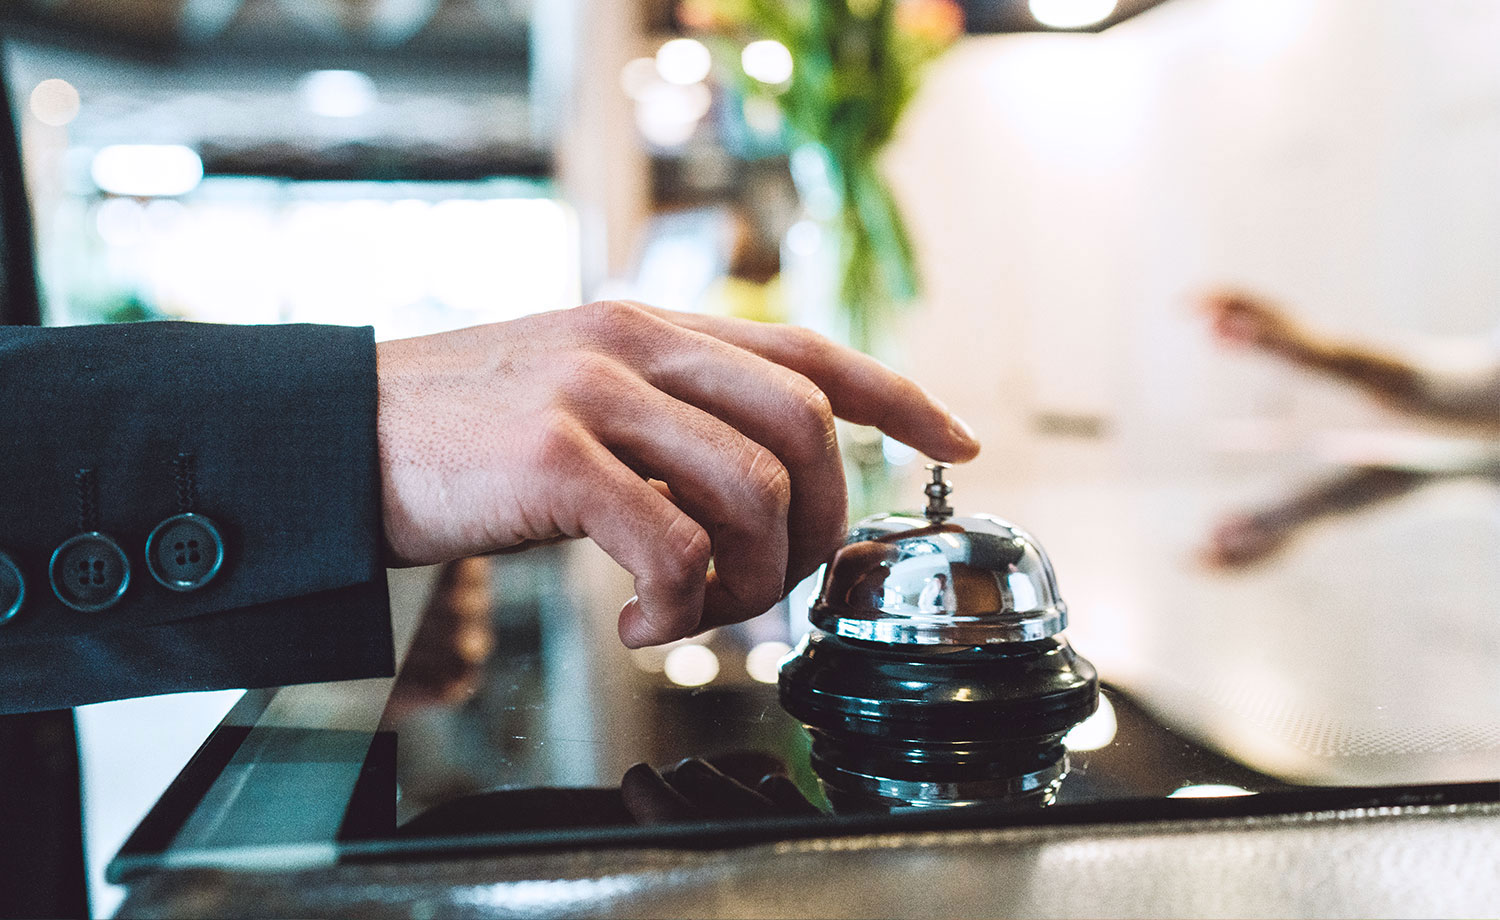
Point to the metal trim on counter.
(1420, 859)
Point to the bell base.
(852, 792)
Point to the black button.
(12, 589)
(89, 572)
(185, 552)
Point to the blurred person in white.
(1467, 400)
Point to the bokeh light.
(767, 61)
(638, 76)
(337, 93)
(683, 61)
(55, 102)
(691, 665)
(120, 221)
(667, 114)
(896, 453)
(147, 170)
(764, 661)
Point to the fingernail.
(961, 429)
(631, 624)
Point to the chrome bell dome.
(936, 579)
(936, 674)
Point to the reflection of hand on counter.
(567, 425)
(1381, 470)
(453, 640)
(1246, 538)
(739, 784)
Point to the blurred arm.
(1247, 320)
(1246, 538)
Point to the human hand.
(1243, 319)
(669, 439)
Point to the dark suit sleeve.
(278, 427)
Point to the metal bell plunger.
(937, 674)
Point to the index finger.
(859, 388)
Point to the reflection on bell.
(936, 674)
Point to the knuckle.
(768, 483)
(583, 373)
(688, 550)
(605, 319)
(556, 444)
(819, 407)
(816, 412)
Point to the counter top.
(1383, 863)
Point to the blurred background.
(1018, 202)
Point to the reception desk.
(1313, 731)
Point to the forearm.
(1469, 398)
(1346, 492)
(1383, 376)
(1247, 319)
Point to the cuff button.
(185, 552)
(12, 589)
(89, 572)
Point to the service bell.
(937, 673)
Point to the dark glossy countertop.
(1350, 677)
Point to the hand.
(1248, 320)
(1243, 319)
(669, 439)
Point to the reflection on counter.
(560, 736)
(1141, 760)
(466, 765)
(935, 676)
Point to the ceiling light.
(683, 61)
(1071, 14)
(147, 170)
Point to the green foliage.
(857, 64)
